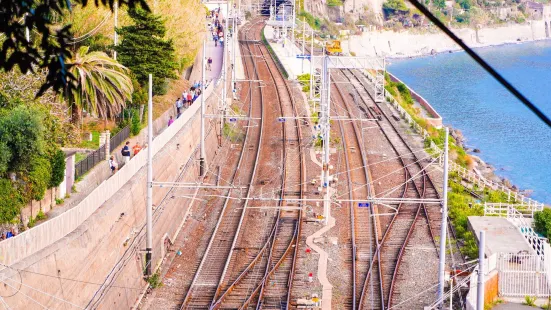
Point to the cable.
(67, 279)
(4, 303)
(52, 296)
(29, 297)
(482, 63)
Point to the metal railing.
(117, 139)
(83, 166)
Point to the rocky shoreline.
(482, 168)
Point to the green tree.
(103, 85)
(50, 47)
(57, 162)
(144, 50)
(465, 4)
(542, 222)
(391, 7)
(37, 179)
(21, 130)
(10, 201)
(440, 4)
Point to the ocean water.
(510, 136)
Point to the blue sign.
(233, 120)
(281, 119)
(301, 56)
(363, 205)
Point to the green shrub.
(57, 162)
(542, 222)
(334, 3)
(530, 301)
(135, 127)
(10, 201)
(155, 280)
(40, 216)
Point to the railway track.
(202, 292)
(409, 217)
(364, 235)
(265, 281)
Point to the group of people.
(188, 97)
(217, 29)
(126, 154)
(8, 234)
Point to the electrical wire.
(482, 63)
(27, 296)
(66, 279)
(47, 294)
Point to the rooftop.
(501, 235)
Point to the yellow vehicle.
(333, 48)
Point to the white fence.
(517, 218)
(472, 177)
(39, 237)
(523, 275)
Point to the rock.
(476, 151)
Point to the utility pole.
(324, 122)
(224, 74)
(202, 163)
(443, 228)
(293, 32)
(116, 9)
(149, 208)
(480, 284)
(312, 66)
(303, 41)
(234, 47)
(284, 27)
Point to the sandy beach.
(406, 44)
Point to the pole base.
(148, 262)
(202, 167)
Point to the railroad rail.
(364, 234)
(203, 289)
(417, 184)
(275, 261)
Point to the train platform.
(501, 235)
(287, 54)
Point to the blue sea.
(510, 136)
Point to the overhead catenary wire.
(47, 294)
(26, 296)
(482, 63)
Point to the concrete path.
(327, 288)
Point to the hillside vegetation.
(106, 95)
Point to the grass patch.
(155, 280)
(94, 144)
(304, 81)
(274, 57)
(232, 133)
(80, 157)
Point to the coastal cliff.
(412, 43)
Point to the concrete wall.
(110, 239)
(436, 119)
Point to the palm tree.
(102, 85)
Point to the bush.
(542, 222)
(10, 201)
(57, 162)
(155, 280)
(334, 3)
(135, 127)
